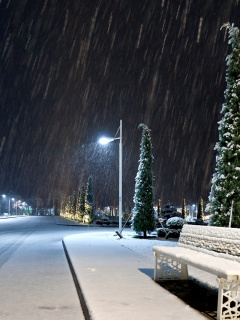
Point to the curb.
(77, 285)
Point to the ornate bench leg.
(228, 299)
(184, 272)
(168, 268)
(155, 267)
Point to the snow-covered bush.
(175, 223)
(168, 233)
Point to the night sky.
(70, 70)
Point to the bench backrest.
(217, 239)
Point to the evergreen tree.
(73, 204)
(68, 206)
(87, 218)
(78, 207)
(89, 195)
(226, 179)
(143, 218)
(200, 215)
(82, 200)
(184, 210)
(170, 211)
(62, 209)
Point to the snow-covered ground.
(144, 247)
(116, 278)
(140, 246)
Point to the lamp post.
(106, 141)
(4, 196)
(194, 209)
(9, 205)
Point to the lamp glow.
(105, 140)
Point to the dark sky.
(70, 70)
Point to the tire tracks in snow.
(8, 249)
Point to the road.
(35, 278)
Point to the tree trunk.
(144, 234)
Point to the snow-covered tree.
(73, 204)
(200, 214)
(143, 213)
(79, 214)
(87, 218)
(169, 211)
(82, 200)
(68, 206)
(89, 195)
(226, 179)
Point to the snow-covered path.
(115, 277)
(144, 247)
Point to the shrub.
(168, 233)
(175, 223)
(161, 232)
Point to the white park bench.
(213, 249)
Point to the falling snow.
(71, 70)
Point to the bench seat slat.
(221, 267)
(216, 232)
(211, 238)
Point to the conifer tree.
(200, 215)
(73, 204)
(88, 213)
(184, 210)
(89, 195)
(82, 200)
(62, 209)
(226, 179)
(143, 213)
(78, 207)
(68, 206)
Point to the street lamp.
(106, 141)
(4, 196)
(194, 208)
(9, 204)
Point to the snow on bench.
(213, 249)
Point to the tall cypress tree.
(143, 213)
(73, 204)
(89, 195)
(226, 179)
(184, 210)
(78, 207)
(68, 206)
(200, 215)
(82, 200)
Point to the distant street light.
(193, 209)
(106, 141)
(4, 196)
(9, 204)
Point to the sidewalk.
(116, 282)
